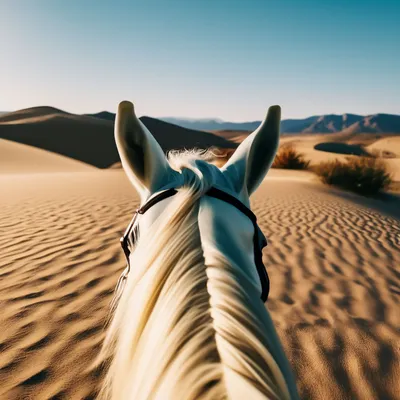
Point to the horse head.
(191, 322)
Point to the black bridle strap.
(142, 210)
(213, 192)
(262, 273)
(221, 195)
(160, 196)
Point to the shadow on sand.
(385, 203)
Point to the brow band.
(156, 199)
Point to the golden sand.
(333, 260)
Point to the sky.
(228, 59)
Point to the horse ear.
(251, 161)
(142, 158)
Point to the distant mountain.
(297, 125)
(212, 124)
(193, 123)
(287, 126)
(331, 123)
(379, 123)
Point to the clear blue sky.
(202, 58)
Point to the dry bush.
(289, 158)
(364, 175)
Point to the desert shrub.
(364, 175)
(289, 158)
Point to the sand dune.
(333, 262)
(30, 113)
(82, 138)
(21, 158)
(90, 139)
(390, 146)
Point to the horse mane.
(182, 326)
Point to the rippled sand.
(333, 260)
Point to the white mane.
(187, 326)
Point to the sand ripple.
(335, 292)
(333, 264)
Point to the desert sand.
(333, 260)
(18, 158)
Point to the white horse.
(190, 323)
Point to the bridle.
(259, 241)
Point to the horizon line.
(200, 118)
